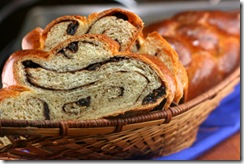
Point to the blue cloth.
(223, 122)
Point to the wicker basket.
(140, 137)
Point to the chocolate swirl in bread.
(84, 77)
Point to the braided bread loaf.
(78, 68)
(84, 77)
(123, 27)
(207, 42)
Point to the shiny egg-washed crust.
(37, 39)
(207, 42)
(33, 40)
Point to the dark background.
(13, 12)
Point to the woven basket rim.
(164, 116)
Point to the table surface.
(228, 149)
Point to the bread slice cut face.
(121, 25)
(84, 77)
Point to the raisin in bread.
(84, 77)
(120, 25)
(157, 46)
(207, 42)
(123, 27)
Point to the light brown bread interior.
(120, 25)
(102, 85)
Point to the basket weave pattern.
(139, 137)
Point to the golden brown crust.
(33, 40)
(174, 56)
(132, 18)
(165, 28)
(10, 71)
(157, 46)
(12, 91)
(201, 37)
(36, 38)
(216, 19)
(201, 80)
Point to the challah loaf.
(207, 42)
(84, 77)
(89, 68)
(123, 27)
(120, 25)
